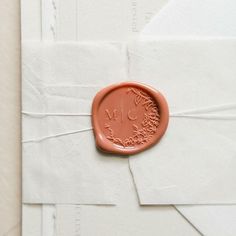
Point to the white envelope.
(102, 210)
(35, 217)
(60, 161)
(188, 166)
(53, 126)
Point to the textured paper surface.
(210, 220)
(32, 12)
(126, 218)
(68, 34)
(114, 20)
(31, 220)
(191, 18)
(83, 20)
(195, 161)
(60, 161)
(191, 171)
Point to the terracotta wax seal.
(128, 118)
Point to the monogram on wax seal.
(128, 118)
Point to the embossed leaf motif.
(135, 127)
(138, 99)
(107, 126)
(118, 141)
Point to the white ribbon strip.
(202, 113)
(205, 116)
(208, 109)
(40, 115)
(56, 135)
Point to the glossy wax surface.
(128, 118)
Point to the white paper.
(126, 218)
(111, 19)
(31, 220)
(51, 90)
(66, 29)
(194, 18)
(83, 20)
(60, 161)
(71, 35)
(212, 220)
(195, 161)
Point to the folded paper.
(195, 19)
(60, 160)
(123, 219)
(195, 161)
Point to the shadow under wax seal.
(128, 118)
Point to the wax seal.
(128, 118)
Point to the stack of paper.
(72, 188)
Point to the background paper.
(10, 148)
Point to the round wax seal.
(128, 118)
